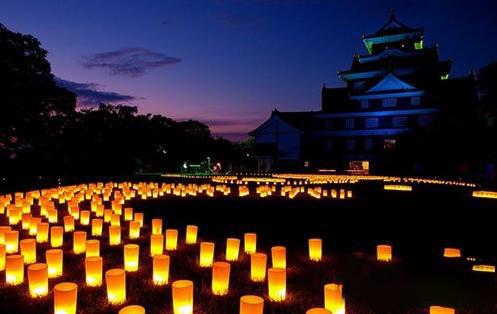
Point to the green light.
(444, 77)
(369, 45)
(418, 45)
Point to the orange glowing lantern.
(131, 257)
(3, 230)
(68, 223)
(452, 252)
(258, 263)
(250, 242)
(55, 262)
(277, 284)
(92, 248)
(278, 256)
(79, 242)
(132, 309)
(65, 297)
(220, 278)
(134, 229)
(53, 217)
(114, 235)
(115, 280)
(93, 269)
(14, 269)
(315, 249)
(108, 215)
(232, 249)
(156, 226)
(171, 239)
(206, 254)
(38, 280)
(251, 304)
(139, 217)
(2, 256)
(28, 250)
(56, 236)
(441, 310)
(333, 298)
(25, 221)
(161, 269)
(33, 225)
(182, 297)
(156, 244)
(191, 234)
(96, 227)
(318, 310)
(84, 218)
(128, 214)
(42, 233)
(384, 253)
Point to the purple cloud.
(131, 62)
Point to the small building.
(393, 92)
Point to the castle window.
(389, 144)
(371, 123)
(349, 123)
(399, 122)
(364, 104)
(415, 101)
(389, 102)
(368, 144)
(351, 144)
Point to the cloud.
(131, 62)
(89, 94)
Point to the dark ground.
(417, 224)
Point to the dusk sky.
(229, 63)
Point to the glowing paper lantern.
(25, 221)
(278, 256)
(315, 249)
(161, 269)
(220, 278)
(132, 309)
(14, 269)
(42, 233)
(452, 252)
(156, 226)
(232, 249)
(2, 256)
(171, 239)
(182, 291)
(384, 253)
(318, 310)
(56, 236)
(33, 225)
(93, 269)
(53, 216)
(251, 304)
(114, 235)
(333, 299)
(3, 230)
(258, 263)
(191, 234)
(38, 280)
(156, 244)
(92, 248)
(115, 220)
(128, 214)
(134, 229)
(79, 242)
(115, 280)
(65, 297)
(206, 254)
(139, 217)
(250, 242)
(28, 250)
(277, 284)
(131, 257)
(68, 223)
(441, 310)
(107, 215)
(54, 259)
(84, 218)
(96, 227)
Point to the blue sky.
(230, 62)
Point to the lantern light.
(171, 239)
(160, 269)
(42, 233)
(14, 269)
(28, 250)
(33, 225)
(132, 309)
(3, 230)
(182, 291)
(251, 304)
(206, 254)
(156, 226)
(54, 259)
(128, 214)
(56, 236)
(318, 310)
(441, 310)
(220, 278)
(12, 241)
(115, 280)
(232, 249)
(114, 235)
(38, 280)
(68, 223)
(191, 234)
(452, 252)
(278, 257)
(93, 269)
(277, 284)
(333, 298)
(156, 244)
(131, 257)
(250, 242)
(79, 242)
(2, 256)
(384, 253)
(258, 263)
(134, 229)
(96, 227)
(115, 220)
(84, 218)
(92, 247)
(139, 217)
(315, 249)
(65, 298)
(25, 221)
